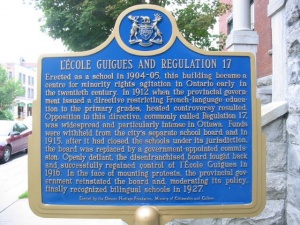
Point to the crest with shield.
(142, 27)
(145, 31)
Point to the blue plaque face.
(148, 120)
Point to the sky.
(20, 34)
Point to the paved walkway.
(13, 177)
(19, 213)
(15, 211)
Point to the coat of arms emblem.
(145, 32)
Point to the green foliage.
(85, 24)
(201, 19)
(6, 115)
(9, 90)
(24, 195)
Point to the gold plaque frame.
(154, 214)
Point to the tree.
(201, 20)
(83, 25)
(9, 90)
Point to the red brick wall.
(262, 25)
(223, 19)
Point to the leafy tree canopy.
(9, 90)
(85, 24)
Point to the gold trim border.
(167, 213)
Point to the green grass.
(24, 195)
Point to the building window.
(20, 77)
(229, 24)
(24, 95)
(24, 78)
(10, 75)
(252, 14)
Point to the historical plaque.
(146, 119)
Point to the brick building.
(26, 73)
(261, 23)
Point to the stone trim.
(272, 111)
(242, 38)
(274, 6)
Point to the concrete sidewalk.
(19, 213)
(15, 211)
